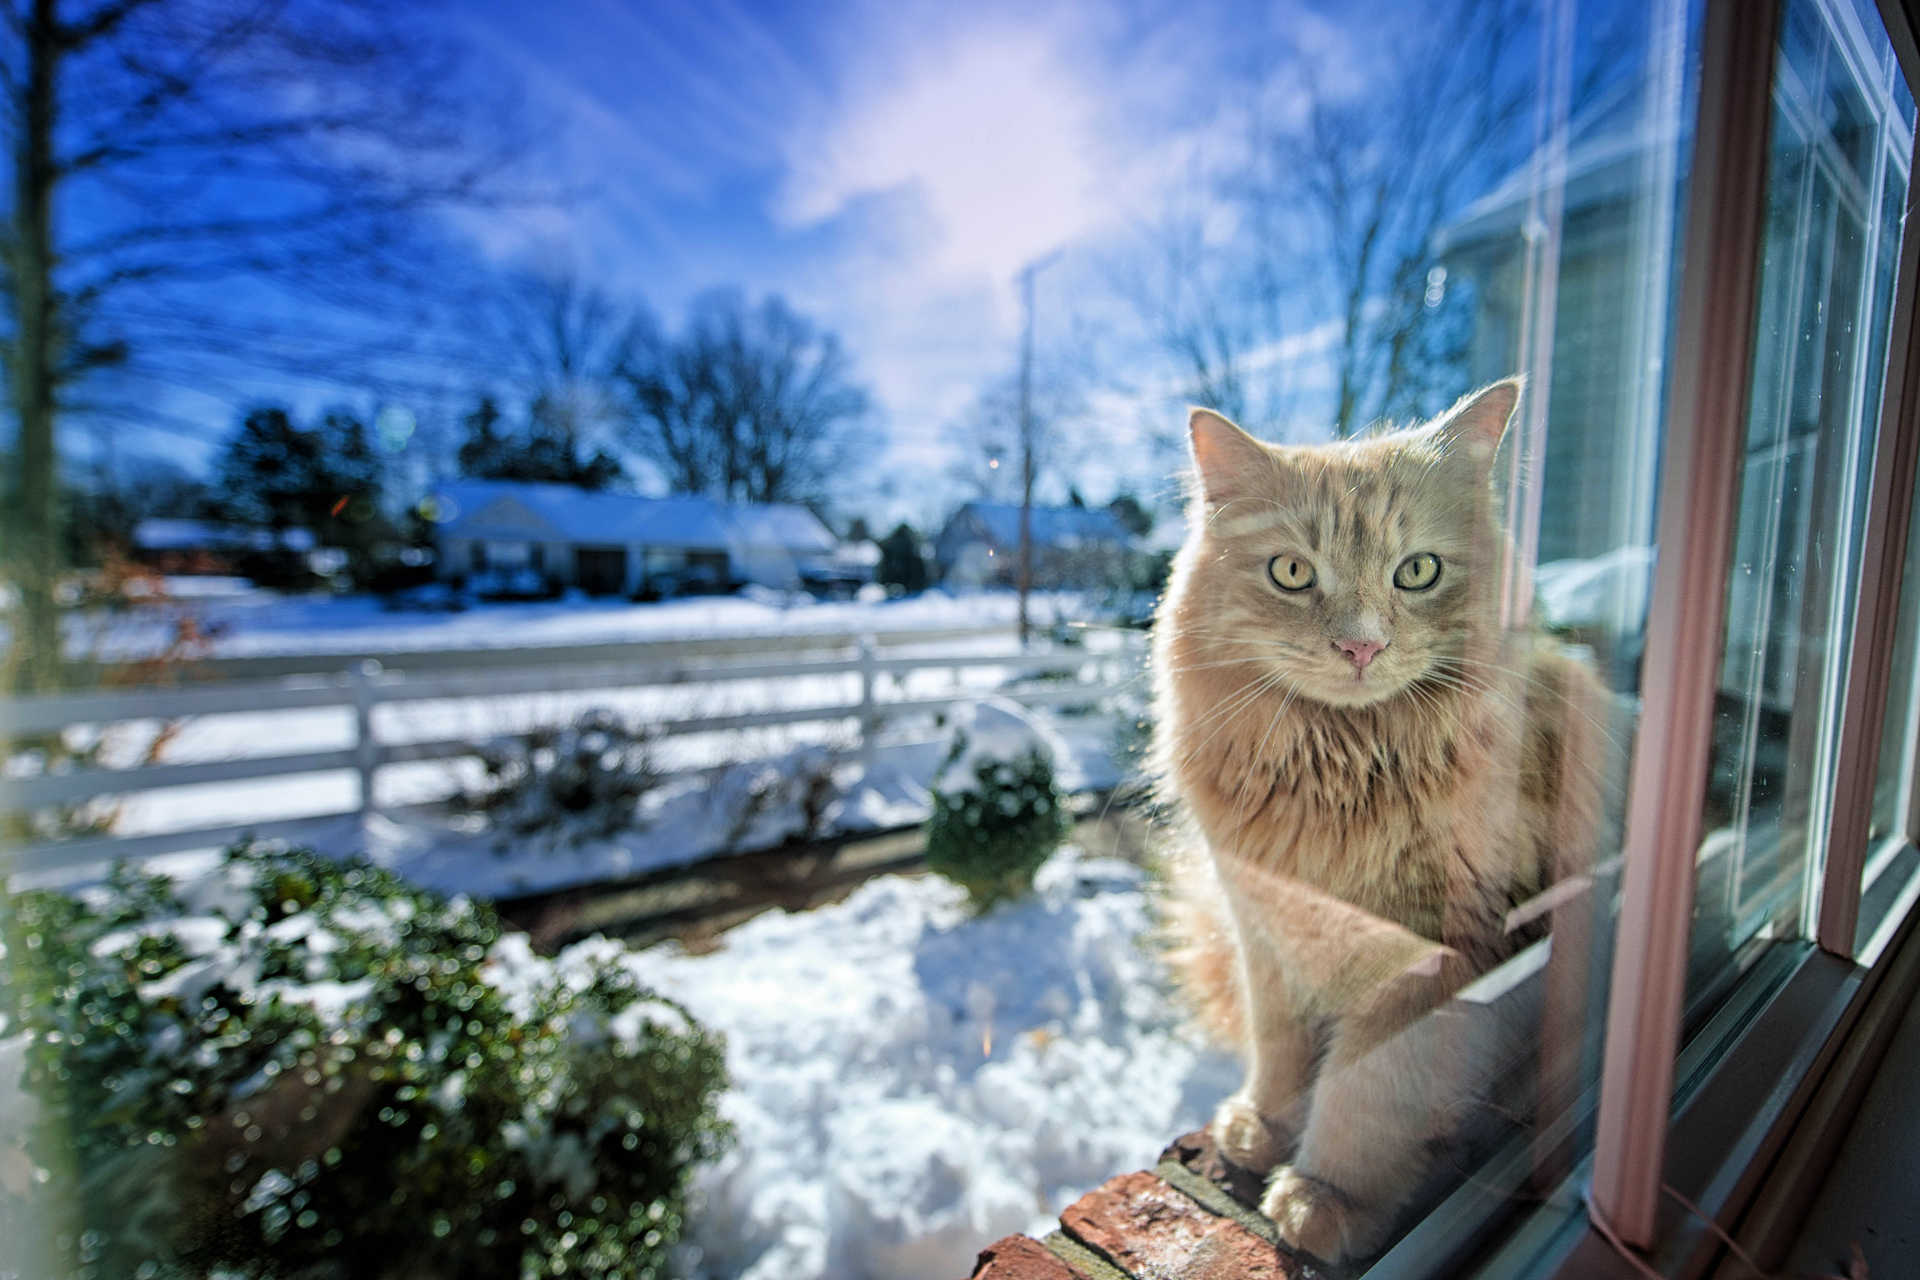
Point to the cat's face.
(1348, 572)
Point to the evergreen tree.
(271, 471)
(1133, 517)
(903, 561)
(484, 450)
(326, 480)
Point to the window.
(1836, 203)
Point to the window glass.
(1890, 883)
(1836, 185)
(1559, 263)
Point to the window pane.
(1558, 260)
(1836, 184)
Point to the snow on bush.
(580, 782)
(996, 811)
(297, 1066)
(912, 1080)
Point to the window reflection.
(1836, 196)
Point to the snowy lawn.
(260, 623)
(910, 1084)
(731, 806)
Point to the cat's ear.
(1226, 458)
(1476, 424)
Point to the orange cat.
(1374, 773)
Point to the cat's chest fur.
(1383, 806)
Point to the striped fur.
(1353, 840)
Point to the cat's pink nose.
(1361, 651)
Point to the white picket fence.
(1082, 674)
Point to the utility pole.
(1027, 273)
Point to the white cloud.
(987, 136)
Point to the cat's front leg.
(1258, 1126)
(1365, 1147)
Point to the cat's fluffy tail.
(1204, 955)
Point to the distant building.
(1072, 547)
(620, 544)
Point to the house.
(1072, 546)
(619, 543)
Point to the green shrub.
(991, 839)
(300, 1067)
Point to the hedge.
(302, 1067)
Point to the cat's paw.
(1246, 1137)
(1317, 1217)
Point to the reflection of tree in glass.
(1316, 239)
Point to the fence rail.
(1091, 676)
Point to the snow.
(910, 1083)
(263, 623)
(810, 789)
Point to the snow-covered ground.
(910, 1083)
(261, 622)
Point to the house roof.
(514, 510)
(1061, 527)
(1606, 147)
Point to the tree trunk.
(37, 553)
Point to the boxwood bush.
(299, 1067)
(991, 837)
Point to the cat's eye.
(1417, 573)
(1290, 573)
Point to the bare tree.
(199, 182)
(1214, 304)
(749, 403)
(1380, 176)
(556, 406)
(1326, 218)
(988, 432)
(564, 344)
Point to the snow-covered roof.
(1062, 527)
(515, 510)
(1605, 149)
(794, 528)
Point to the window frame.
(1719, 1120)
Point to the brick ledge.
(1192, 1217)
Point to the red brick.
(1148, 1228)
(1197, 1152)
(1021, 1258)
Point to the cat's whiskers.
(1227, 713)
(1614, 736)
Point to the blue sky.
(887, 167)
